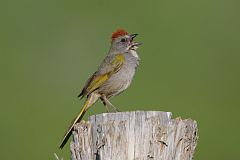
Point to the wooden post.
(138, 135)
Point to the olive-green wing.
(110, 65)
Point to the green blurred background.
(190, 65)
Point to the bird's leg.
(106, 107)
(104, 103)
(108, 103)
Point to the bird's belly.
(118, 82)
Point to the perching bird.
(113, 76)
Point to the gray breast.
(123, 78)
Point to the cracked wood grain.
(138, 135)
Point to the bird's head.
(122, 41)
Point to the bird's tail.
(88, 103)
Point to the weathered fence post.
(138, 135)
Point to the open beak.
(134, 45)
(133, 36)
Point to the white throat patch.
(134, 53)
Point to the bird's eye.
(123, 40)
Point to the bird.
(113, 76)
